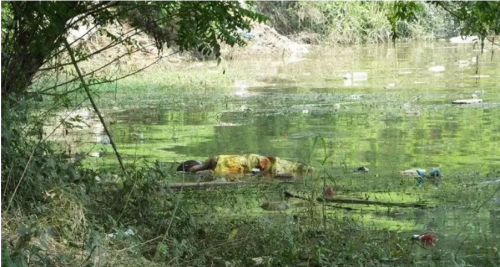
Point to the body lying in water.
(248, 163)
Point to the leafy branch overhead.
(33, 32)
(474, 17)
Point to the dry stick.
(8, 180)
(70, 52)
(88, 257)
(413, 100)
(141, 244)
(22, 177)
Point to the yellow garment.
(237, 163)
(268, 165)
(284, 166)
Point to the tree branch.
(84, 84)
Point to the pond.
(395, 113)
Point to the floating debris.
(437, 69)
(356, 76)
(336, 107)
(363, 169)
(467, 101)
(427, 239)
(435, 173)
(94, 154)
(464, 39)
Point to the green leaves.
(33, 33)
(473, 17)
(402, 11)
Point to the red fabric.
(329, 191)
(428, 239)
(264, 163)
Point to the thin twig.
(8, 179)
(460, 247)
(27, 164)
(22, 177)
(106, 81)
(141, 244)
(84, 84)
(88, 257)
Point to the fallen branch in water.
(290, 195)
(369, 202)
(202, 185)
(361, 201)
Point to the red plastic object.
(329, 191)
(428, 239)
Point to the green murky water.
(400, 117)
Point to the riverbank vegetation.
(354, 22)
(59, 210)
(371, 22)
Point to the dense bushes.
(352, 22)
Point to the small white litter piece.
(464, 39)
(437, 68)
(467, 101)
(356, 76)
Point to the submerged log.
(370, 202)
(202, 185)
(362, 201)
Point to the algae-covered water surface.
(388, 108)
